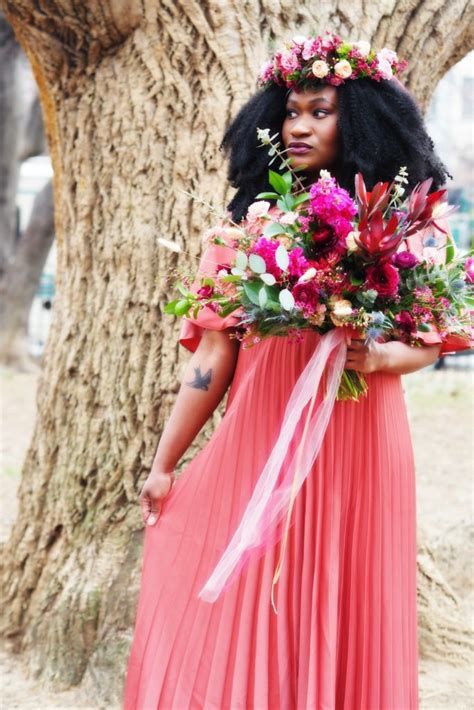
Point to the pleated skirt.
(345, 633)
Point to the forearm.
(205, 381)
(400, 358)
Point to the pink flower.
(469, 267)
(384, 279)
(306, 297)
(266, 248)
(298, 262)
(404, 260)
(406, 322)
(332, 205)
(205, 292)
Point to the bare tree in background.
(135, 98)
(22, 255)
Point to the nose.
(300, 127)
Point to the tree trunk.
(135, 99)
(9, 118)
(20, 282)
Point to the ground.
(440, 409)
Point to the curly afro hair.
(380, 128)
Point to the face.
(309, 131)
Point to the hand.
(156, 487)
(364, 357)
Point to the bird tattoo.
(201, 382)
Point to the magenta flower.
(306, 297)
(404, 260)
(266, 248)
(384, 278)
(298, 262)
(406, 322)
(331, 204)
(205, 292)
(469, 267)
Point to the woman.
(345, 635)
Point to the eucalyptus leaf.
(282, 257)
(268, 279)
(286, 299)
(424, 327)
(272, 229)
(241, 260)
(257, 264)
(262, 297)
(236, 272)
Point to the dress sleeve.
(451, 343)
(214, 256)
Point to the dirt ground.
(441, 414)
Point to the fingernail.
(151, 520)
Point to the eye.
(289, 111)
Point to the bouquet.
(319, 259)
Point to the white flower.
(351, 244)
(385, 68)
(257, 209)
(388, 55)
(324, 174)
(263, 135)
(299, 39)
(288, 218)
(362, 47)
(340, 307)
(343, 69)
(320, 68)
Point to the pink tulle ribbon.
(274, 493)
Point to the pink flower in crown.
(311, 48)
(288, 62)
(384, 278)
(385, 59)
(298, 262)
(266, 72)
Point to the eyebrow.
(312, 101)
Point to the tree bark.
(135, 97)
(9, 117)
(20, 282)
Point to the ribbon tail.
(265, 508)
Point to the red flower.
(306, 296)
(406, 322)
(205, 292)
(384, 278)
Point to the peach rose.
(320, 68)
(343, 69)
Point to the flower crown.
(329, 59)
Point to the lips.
(298, 147)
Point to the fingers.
(356, 345)
(150, 509)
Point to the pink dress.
(345, 636)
